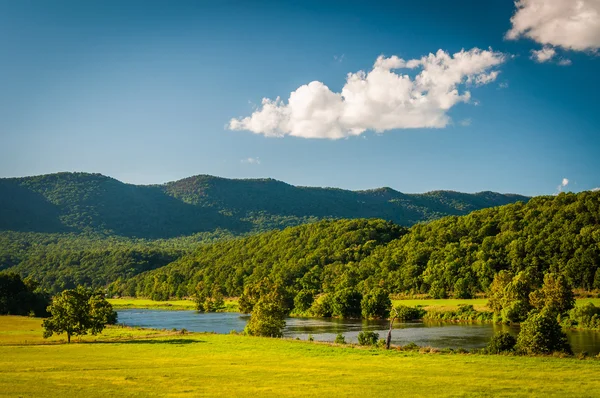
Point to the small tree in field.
(77, 312)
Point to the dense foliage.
(18, 297)
(93, 203)
(507, 249)
(314, 258)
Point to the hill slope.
(93, 203)
(457, 256)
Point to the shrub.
(541, 334)
(405, 313)
(501, 342)
(586, 316)
(376, 304)
(411, 347)
(368, 338)
(311, 338)
(340, 339)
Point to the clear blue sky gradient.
(142, 91)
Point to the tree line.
(454, 256)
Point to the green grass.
(231, 304)
(478, 304)
(229, 365)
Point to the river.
(438, 335)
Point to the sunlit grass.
(228, 365)
(479, 304)
(231, 304)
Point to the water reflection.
(439, 335)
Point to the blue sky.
(144, 91)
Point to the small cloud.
(250, 161)
(543, 55)
(564, 62)
(339, 58)
(595, 189)
(503, 85)
(563, 184)
(465, 122)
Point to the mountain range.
(94, 203)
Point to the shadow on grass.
(144, 341)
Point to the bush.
(376, 304)
(501, 342)
(541, 334)
(586, 316)
(405, 313)
(340, 339)
(368, 338)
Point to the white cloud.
(543, 55)
(503, 85)
(251, 160)
(595, 189)
(564, 62)
(379, 100)
(563, 184)
(465, 122)
(570, 24)
(339, 58)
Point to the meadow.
(231, 304)
(136, 362)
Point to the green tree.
(376, 304)
(268, 316)
(346, 303)
(77, 312)
(555, 295)
(541, 334)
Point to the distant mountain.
(93, 203)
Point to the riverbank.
(151, 363)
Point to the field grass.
(231, 304)
(229, 365)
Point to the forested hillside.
(96, 204)
(457, 256)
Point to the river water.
(438, 335)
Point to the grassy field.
(478, 304)
(231, 305)
(154, 363)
